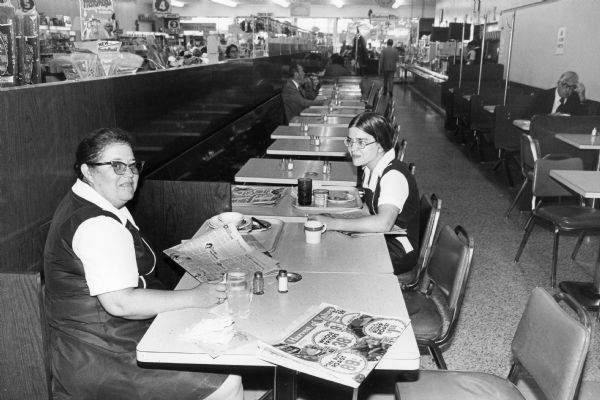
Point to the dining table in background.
(292, 147)
(344, 96)
(318, 121)
(582, 141)
(324, 132)
(272, 171)
(587, 185)
(316, 111)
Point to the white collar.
(387, 158)
(296, 84)
(85, 191)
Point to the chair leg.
(528, 229)
(511, 183)
(516, 199)
(577, 245)
(436, 353)
(554, 257)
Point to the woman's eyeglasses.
(120, 167)
(360, 143)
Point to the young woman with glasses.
(101, 293)
(391, 192)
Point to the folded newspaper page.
(335, 344)
(206, 257)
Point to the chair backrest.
(401, 149)
(369, 92)
(545, 186)
(530, 152)
(373, 96)
(381, 104)
(448, 271)
(389, 112)
(551, 344)
(429, 216)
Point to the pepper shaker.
(258, 283)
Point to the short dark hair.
(294, 68)
(92, 146)
(375, 125)
(390, 42)
(229, 49)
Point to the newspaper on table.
(207, 256)
(256, 195)
(335, 344)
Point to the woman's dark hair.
(229, 49)
(92, 146)
(375, 125)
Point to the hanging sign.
(161, 7)
(96, 19)
(560, 40)
(300, 9)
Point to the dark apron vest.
(407, 219)
(93, 353)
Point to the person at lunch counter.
(391, 192)
(101, 293)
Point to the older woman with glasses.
(391, 192)
(100, 291)
(567, 98)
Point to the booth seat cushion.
(571, 217)
(425, 318)
(446, 385)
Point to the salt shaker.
(290, 164)
(282, 280)
(317, 141)
(258, 283)
(326, 167)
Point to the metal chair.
(441, 290)
(429, 216)
(550, 344)
(530, 150)
(562, 217)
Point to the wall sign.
(560, 40)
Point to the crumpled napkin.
(218, 330)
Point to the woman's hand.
(330, 222)
(208, 295)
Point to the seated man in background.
(294, 96)
(567, 98)
(336, 67)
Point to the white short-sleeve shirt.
(105, 246)
(394, 186)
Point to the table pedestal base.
(584, 293)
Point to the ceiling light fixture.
(227, 3)
(176, 3)
(338, 3)
(396, 4)
(282, 3)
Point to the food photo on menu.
(335, 344)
